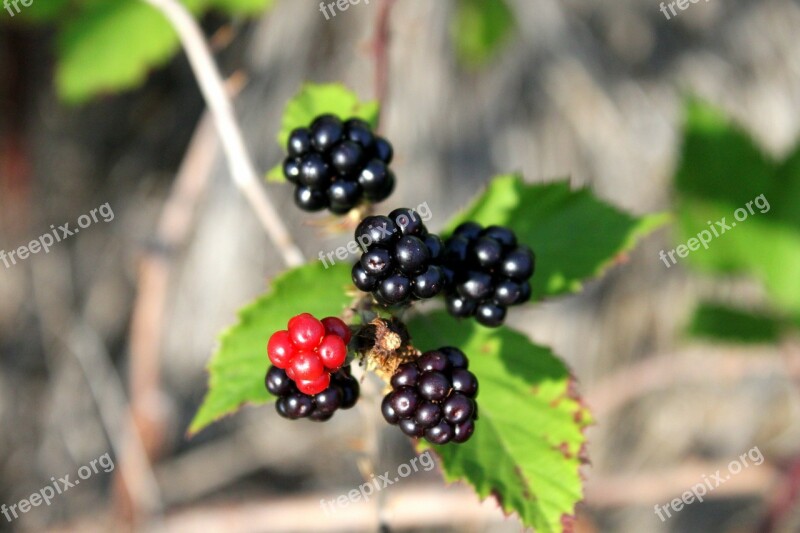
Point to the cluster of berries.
(400, 263)
(335, 164)
(434, 397)
(307, 374)
(482, 271)
(490, 272)
(310, 350)
(342, 393)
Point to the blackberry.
(487, 271)
(401, 259)
(342, 393)
(434, 397)
(335, 164)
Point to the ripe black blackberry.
(293, 404)
(400, 263)
(487, 272)
(335, 164)
(434, 397)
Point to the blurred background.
(123, 316)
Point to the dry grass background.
(586, 90)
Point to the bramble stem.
(239, 162)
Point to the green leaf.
(480, 29)
(313, 100)
(110, 47)
(275, 174)
(528, 442)
(237, 368)
(574, 235)
(42, 11)
(724, 174)
(242, 7)
(726, 324)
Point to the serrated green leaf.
(528, 439)
(313, 100)
(722, 170)
(237, 368)
(726, 324)
(479, 30)
(575, 236)
(112, 45)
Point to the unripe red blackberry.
(310, 350)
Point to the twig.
(381, 51)
(662, 486)
(154, 270)
(416, 506)
(663, 371)
(107, 391)
(249, 448)
(782, 508)
(419, 506)
(147, 317)
(239, 162)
